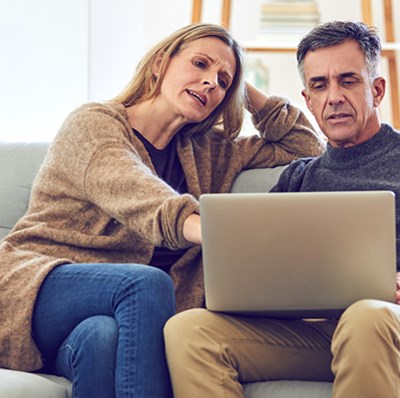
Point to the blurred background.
(58, 54)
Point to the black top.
(169, 169)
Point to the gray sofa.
(19, 163)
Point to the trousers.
(101, 326)
(212, 354)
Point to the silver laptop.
(297, 254)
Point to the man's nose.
(335, 94)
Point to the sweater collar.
(363, 153)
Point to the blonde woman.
(112, 234)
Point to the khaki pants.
(211, 354)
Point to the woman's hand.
(398, 288)
(192, 229)
(255, 98)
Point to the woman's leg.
(366, 349)
(211, 354)
(88, 357)
(139, 298)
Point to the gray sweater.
(372, 165)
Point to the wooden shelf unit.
(389, 48)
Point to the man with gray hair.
(212, 354)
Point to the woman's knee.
(151, 287)
(93, 343)
(97, 336)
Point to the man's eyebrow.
(348, 74)
(341, 76)
(316, 79)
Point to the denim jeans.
(101, 326)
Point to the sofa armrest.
(257, 180)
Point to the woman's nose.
(210, 80)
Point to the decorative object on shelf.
(287, 20)
(257, 73)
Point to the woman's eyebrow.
(211, 59)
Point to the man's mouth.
(201, 98)
(338, 116)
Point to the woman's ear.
(157, 64)
(378, 90)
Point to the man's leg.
(211, 354)
(366, 351)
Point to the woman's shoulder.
(100, 110)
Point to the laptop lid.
(308, 254)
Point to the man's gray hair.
(336, 32)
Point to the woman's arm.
(286, 133)
(256, 99)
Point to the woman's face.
(198, 78)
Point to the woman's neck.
(156, 125)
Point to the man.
(211, 354)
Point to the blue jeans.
(101, 326)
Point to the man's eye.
(318, 86)
(348, 82)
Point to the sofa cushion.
(257, 180)
(288, 389)
(16, 384)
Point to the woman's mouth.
(199, 97)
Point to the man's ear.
(306, 97)
(378, 90)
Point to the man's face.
(340, 94)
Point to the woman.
(119, 188)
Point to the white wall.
(44, 63)
(58, 54)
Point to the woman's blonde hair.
(228, 116)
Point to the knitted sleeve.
(96, 154)
(286, 134)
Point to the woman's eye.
(200, 64)
(222, 83)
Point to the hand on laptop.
(192, 229)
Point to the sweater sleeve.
(286, 134)
(107, 169)
(118, 182)
(291, 179)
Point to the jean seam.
(73, 367)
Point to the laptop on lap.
(297, 255)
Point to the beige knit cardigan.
(97, 199)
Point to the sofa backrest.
(19, 164)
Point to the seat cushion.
(288, 389)
(14, 384)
